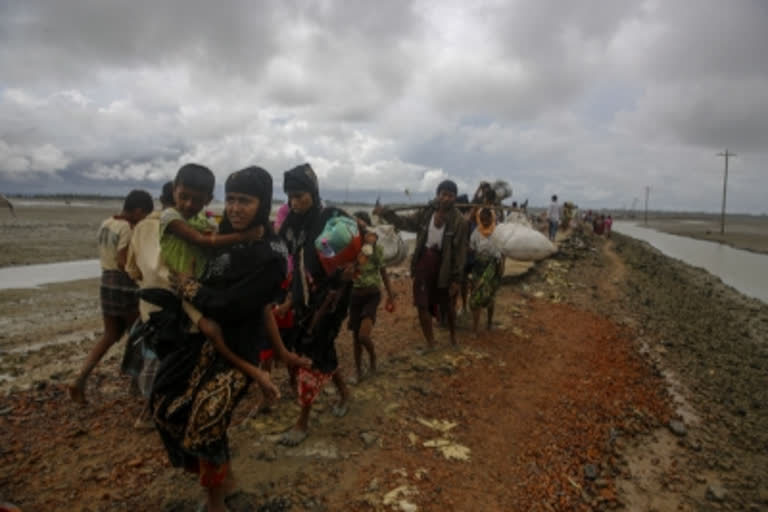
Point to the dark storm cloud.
(592, 99)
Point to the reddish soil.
(543, 401)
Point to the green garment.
(487, 282)
(177, 253)
(370, 273)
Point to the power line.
(726, 154)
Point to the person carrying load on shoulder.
(438, 260)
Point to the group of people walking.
(207, 304)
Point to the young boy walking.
(119, 300)
(366, 295)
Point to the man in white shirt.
(553, 215)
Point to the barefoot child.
(486, 269)
(366, 296)
(119, 302)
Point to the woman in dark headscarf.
(200, 383)
(319, 301)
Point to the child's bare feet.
(340, 409)
(293, 437)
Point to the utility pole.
(727, 154)
(647, 193)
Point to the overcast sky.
(592, 100)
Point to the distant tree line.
(66, 197)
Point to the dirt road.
(565, 405)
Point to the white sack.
(392, 244)
(520, 242)
(518, 218)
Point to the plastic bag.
(339, 243)
(393, 247)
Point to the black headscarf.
(301, 178)
(253, 181)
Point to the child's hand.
(265, 384)
(282, 309)
(348, 273)
(295, 360)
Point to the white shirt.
(553, 213)
(146, 266)
(114, 236)
(484, 246)
(435, 235)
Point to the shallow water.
(746, 271)
(32, 276)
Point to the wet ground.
(615, 378)
(749, 232)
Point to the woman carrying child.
(319, 301)
(366, 295)
(486, 269)
(200, 382)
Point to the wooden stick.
(457, 205)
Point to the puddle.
(33, 276)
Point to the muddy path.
(566, 405)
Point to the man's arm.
(411, 222)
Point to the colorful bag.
(339, 243)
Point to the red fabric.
(347, 255)
(310, 382)
(212, 475)
(284, 321)
(266, 354)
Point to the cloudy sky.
(593, 100)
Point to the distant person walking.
(118, 292)
(438, 261)
(553, 216)
(598, 225)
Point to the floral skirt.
(486, 283)
(192, 409)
